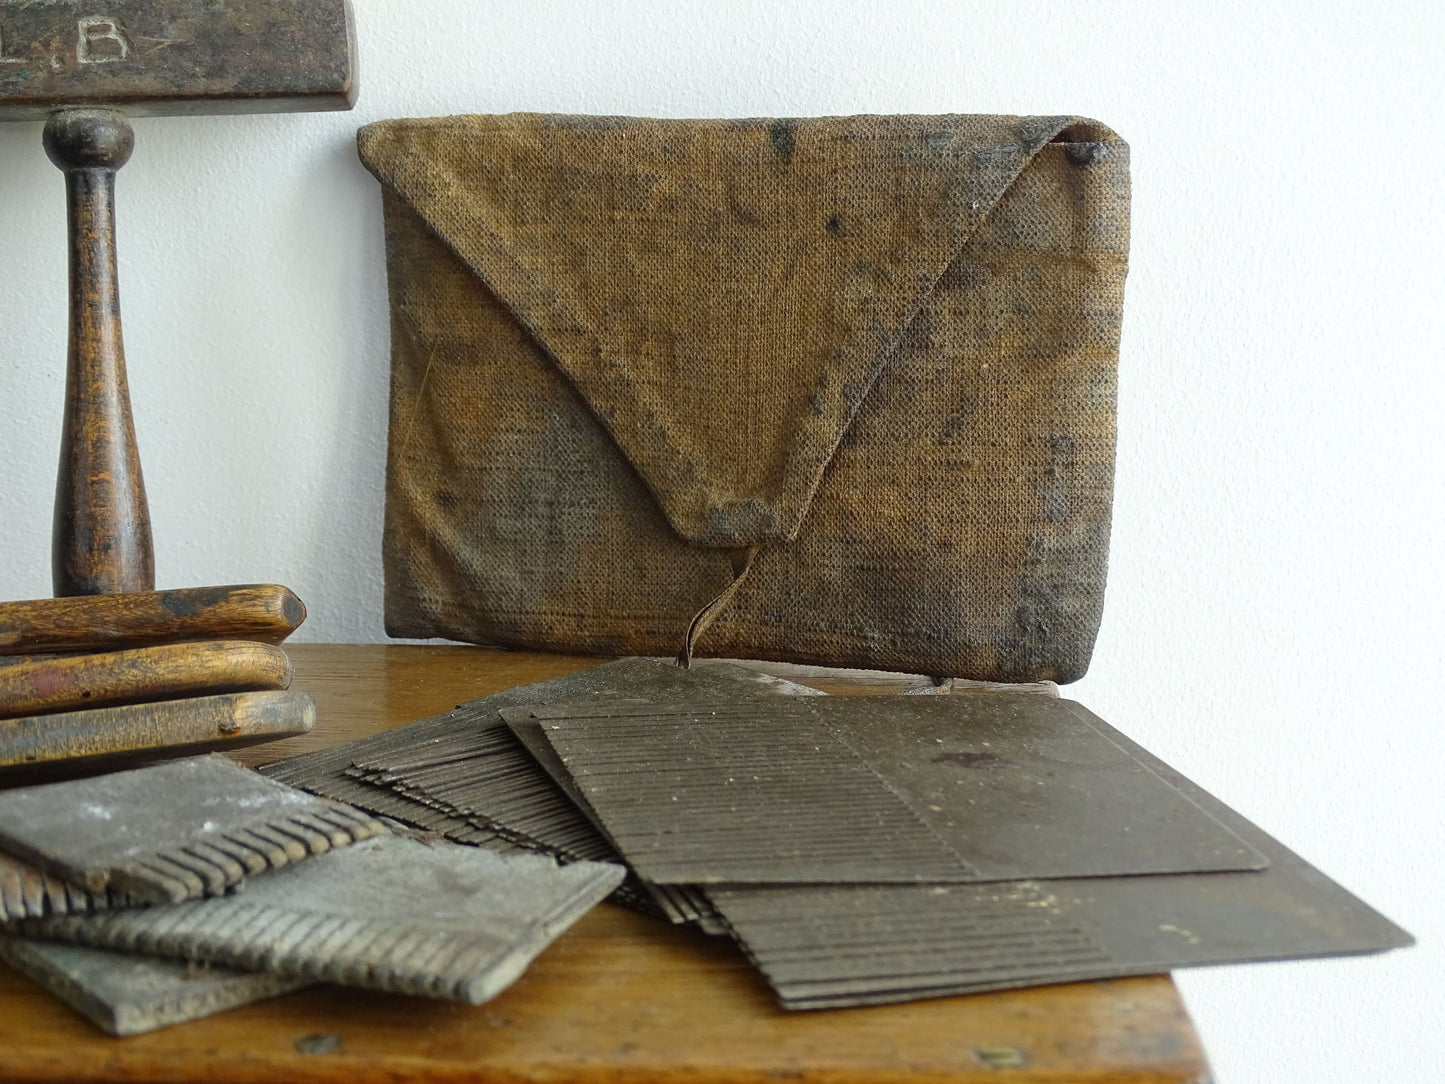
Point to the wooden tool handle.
(113, 736)
(265, 612)
(101, 542)
(167, 672)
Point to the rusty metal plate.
(124, 994)
(1015, 787)
(164, 57)
(834, 946)
(443, 921)
(172, 832)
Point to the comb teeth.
(353, 918)
(26, 892)
(400, 957)
(222, 859)
(821, 946)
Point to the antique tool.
(848, 789)
(82, 67)
(265, 612)
(168, 672)
(175, 831)
(124, 994)
(442, 921)
(111, 737)
(829, 946)
(28, 892)
(486, 771)
(557, 826)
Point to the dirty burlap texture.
(850, 379)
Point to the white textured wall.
(1275, 606)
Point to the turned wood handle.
(167, 672)
(134, 732)
(265, 612)
(101, 543)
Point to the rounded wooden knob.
(89, 139)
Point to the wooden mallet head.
(82, 67)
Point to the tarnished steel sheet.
(833, 946)
(1013, 786)
(325, 771)
(175, 831)
(443, 921)
(484, 771)
(748, 793)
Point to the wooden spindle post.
(102, 534)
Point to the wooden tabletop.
(619, 998)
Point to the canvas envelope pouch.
(836, 391)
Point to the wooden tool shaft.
(150, 731)
(266, 612)
(168, 672)
(102, 537)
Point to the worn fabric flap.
(723, 294)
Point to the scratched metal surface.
(707, 794)
(485, 771)
(835, 946)
(485, 774)
(1011, 786)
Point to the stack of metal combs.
(122, 895)
(860, 850)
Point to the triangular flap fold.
(722, 293)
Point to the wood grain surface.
(265, 612)
(619, 998)
(131, 734)
(102, 535)
(30, 686)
